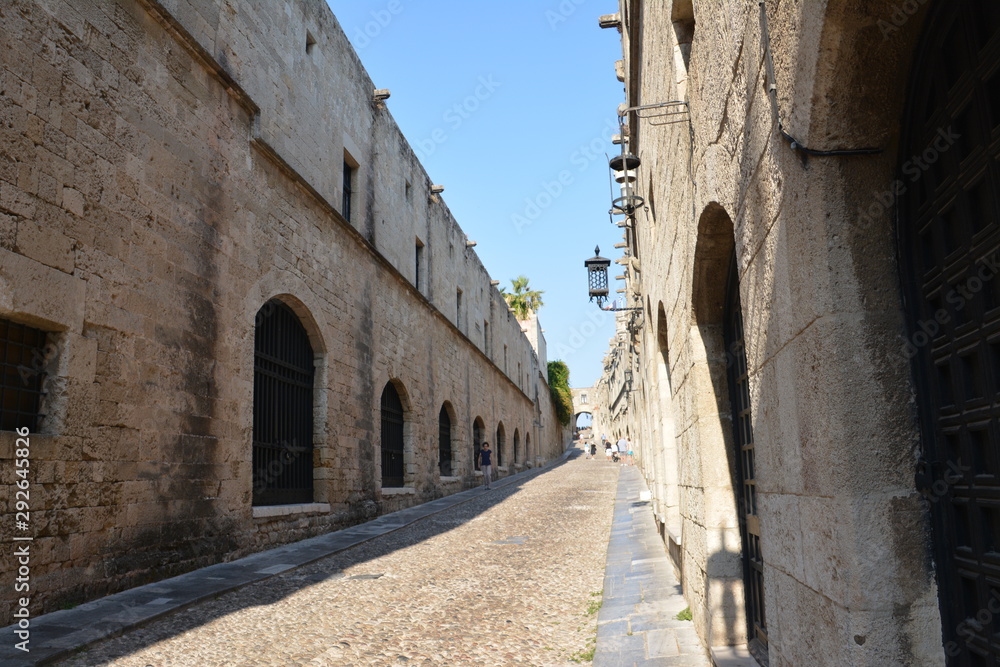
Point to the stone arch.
(500, 446)
(448, 440)
(478, 437)
(284, 383)
(713, 430)
(390, 469)
(293, 292)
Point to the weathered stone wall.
(847, 575)
(168, 168)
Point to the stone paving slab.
(637, 625)
(60, 633)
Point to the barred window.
(24, 354)
(444, 442)
(282, 408)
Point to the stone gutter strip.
(59, 634)
(636, 625)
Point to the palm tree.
(522, 301)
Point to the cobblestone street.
(508, 578)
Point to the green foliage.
(522, 301)
(587, 654)
(562, 395)
(684, 615)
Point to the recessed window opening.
(419, 262)
(393, 421)
(349, 185)
(683, 20)
(24, 355)
(310, 42)
(444, 442)
(284, 367)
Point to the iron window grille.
(444, 442)
(282, 408)
(23, 361)
(393, 420)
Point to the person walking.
(607, 450)
(631, 452)
(622, 446)
(486, 464)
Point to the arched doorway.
(282, 408)
(949, 236)
(518, 454)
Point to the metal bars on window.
(282, 408)
(393, 419)
(22, 375)
(444, 442)
(746, 482)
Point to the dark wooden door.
(949, 234)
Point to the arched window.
(746, 490)
(517, 446)
(393, 420)
(527, 446)
(478, 431)
(501, 444)
(949, 235)
(283, 377)
(444, 442)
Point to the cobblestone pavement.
(508, 578)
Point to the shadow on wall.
(727, 592)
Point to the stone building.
(811, 373)
(234, 310)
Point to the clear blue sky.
(500, 100)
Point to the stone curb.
(637, 626)
(58, 634)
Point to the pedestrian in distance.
(593, 450)
(486, 464)
(607, 450)
(631, 452)
(622, 446)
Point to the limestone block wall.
(847, 573)
(167, 169)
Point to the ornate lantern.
(597, 275)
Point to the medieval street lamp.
(597, 279)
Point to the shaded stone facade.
(171, 173)
(809, 489)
